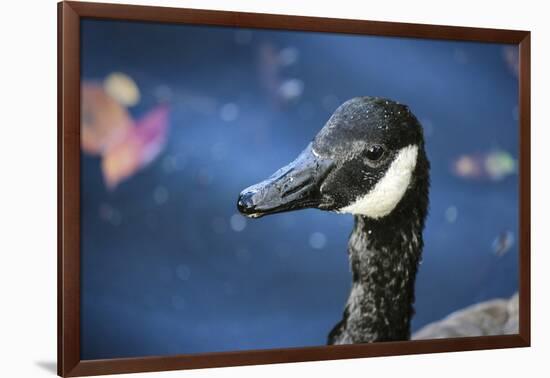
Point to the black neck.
(384, 256)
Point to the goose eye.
(375, 152)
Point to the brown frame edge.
(68, 204)
(69, 15)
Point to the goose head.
(364, 161)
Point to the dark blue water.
(175, 272)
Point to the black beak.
(295, 186)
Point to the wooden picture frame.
(70, 15)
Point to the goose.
(368, 160)
(498, 316)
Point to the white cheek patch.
(387, 192)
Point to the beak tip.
(245, 205)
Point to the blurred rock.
(493, 317)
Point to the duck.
(368, 160)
